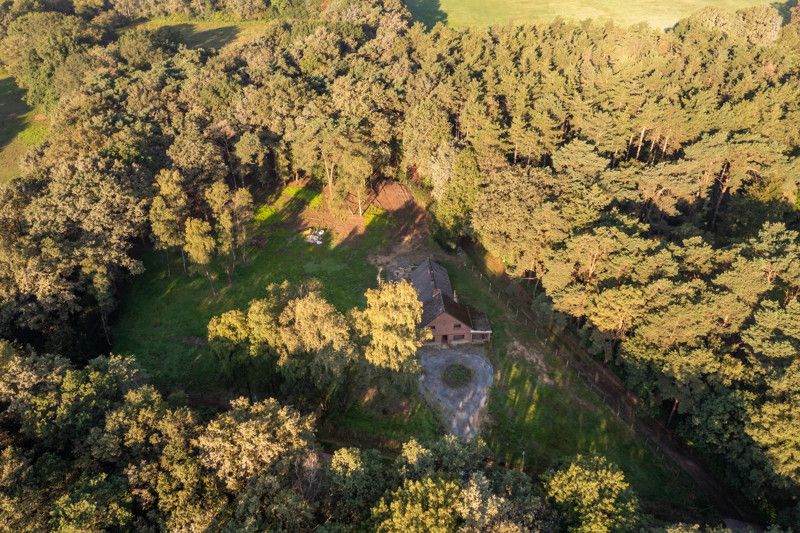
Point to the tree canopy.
(644, 184)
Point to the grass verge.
(535, 421)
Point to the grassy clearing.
(164, 313)
(20, 127)
(532, 425)
(657, 13)
(369, 427)
(215, 34)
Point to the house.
(449, 321)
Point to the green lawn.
(196, 33)
(532, 424)
(369, 427)
(20, 128)
(162, 318)
(657, 13)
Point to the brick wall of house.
(445, 328)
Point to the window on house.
(433, 328)
(456, 326)
(458, 337)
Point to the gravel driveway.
(462, 408)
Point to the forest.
(643, 185)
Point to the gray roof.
(428, 277)
(436, 294)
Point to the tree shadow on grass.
(12, 110)
(189, 35)
(163, 314)
(429, 12)
(785, 9)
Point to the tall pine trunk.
(329, 175)
(641, 140)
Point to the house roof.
(428, 277)
(432, 283)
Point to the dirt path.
(409, 241)
(461, 407)
(615, 394)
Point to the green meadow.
(534, 421)
(20, 127)
(531, 424)
(658, 14)
(164, 313)
(202, 33)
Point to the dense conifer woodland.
(645, 184)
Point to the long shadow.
(12, 110)
(785, 9)
(187, 33)
(163, 314)
(428, 12)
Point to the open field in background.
(657, 13)
(196, 33)
(20, 127)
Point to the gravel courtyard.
(463, 407)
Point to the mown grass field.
(20, 128)
(532, 424)
(657, 13)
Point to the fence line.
(623, 406)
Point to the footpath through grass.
(532, 424)
(19, 127)
(657, 13)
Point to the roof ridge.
(433, 277)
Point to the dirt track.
(618, 398)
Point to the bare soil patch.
(342, 223)
(346, 224)
(517, 349)
(408, 242)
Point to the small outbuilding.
(449, 321)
